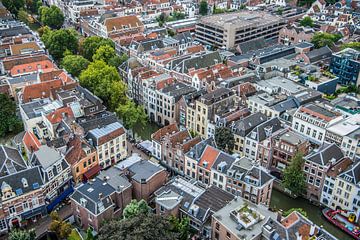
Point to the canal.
(284, 202)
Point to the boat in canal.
(342, 222)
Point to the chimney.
(100, 196)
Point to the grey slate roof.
(319, 54)
(273, 125)
(325, 154)
(98, 120)
(47, 156)
(97, 195)
(113, 178)
(177, 90)
(197, 150)
(11, 161)
(243, 126)
(197, 62)
(14, 31)
(184, 37)
(223, 162)
(144, 170)
(31, 176)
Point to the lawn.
(74, 235)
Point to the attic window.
(24, 182)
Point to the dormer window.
(58, 168)
(50, 174)
(24, 182)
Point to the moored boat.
(342, 222)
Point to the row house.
(294, 34)
(184, 198)
(55, 173)
(110, 143)
(250, 182)
(276, 153)
(241, 128)
(22, 199)
(317, 165)
(112, 26)
(201, 115)
(259, 134)
(166, 102)
(174, 145)
(194, 156)
(100, 199)
(312, 121)
(345, 194)
(344, 134)
(82, 158)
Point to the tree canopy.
(74, 64)
(144, 227)
(294, 177)
(353, 45)
(18, 234)
(9, 123)
(203, 8)
(13, 6)
(104, 81)
(58, 41)
(321, 39)
(132, 114)
(33, 5)
(61, 228)
(107, 54)
(224, 139)
(135, 208)
(307, 22)
(51, 16)
(23, 16)
(89, 46)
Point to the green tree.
(74, 64)
(132, 114)
(9, 123)
(180, 226)
(18, 234)
(353, 45)
(305, 2)
(307, 22)
(89, 46)
(33, 5)
(224, 139)
(107, 54)
(104, 81)
(58, 41)
(135, 208)
(51, 16)
(299, 210)
(23, 16)
(280, 11)
(13, 6)
(203, 8)
(144, 227)
(61, 228)
(325, 39)
(293, 177)
(89, 235)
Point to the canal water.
(284, 202)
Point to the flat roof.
(240, 19)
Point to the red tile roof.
(121, 23)
(163, 131)
(31, 67)
(57, 115)
(208, 157)
(76, 151)
(40, 90)
(31, 142)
